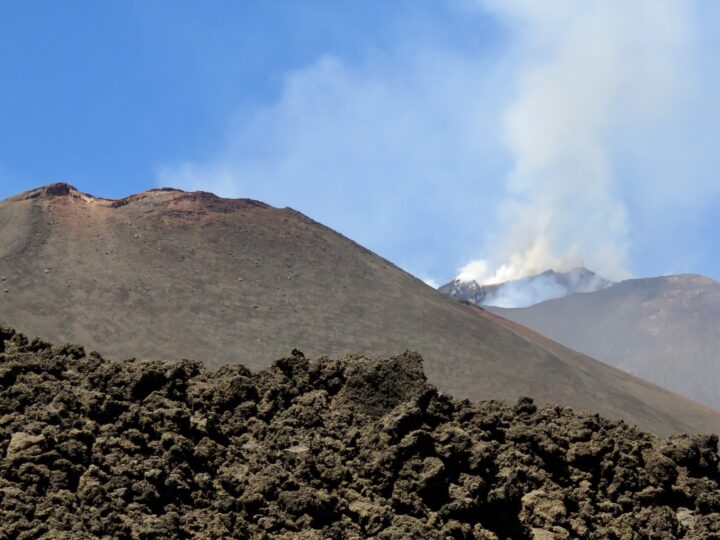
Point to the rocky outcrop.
(346, 448)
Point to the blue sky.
(477, 134)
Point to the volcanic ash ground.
(316, 449)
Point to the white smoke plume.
(517, 294)
(590, 69)
(529, 291)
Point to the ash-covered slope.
(528, 290)
(333, 449)
(169, 274)
(665, 329)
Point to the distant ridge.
(173, 274)
(664, 329)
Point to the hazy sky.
(496, 137)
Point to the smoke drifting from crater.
(563, 133)
(588, 70)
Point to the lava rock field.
(348, 448)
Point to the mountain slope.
(168, 274)
(529, 290)
(666, 330)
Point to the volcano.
(168, 274)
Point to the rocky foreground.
(350, 448)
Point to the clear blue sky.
(435, 133)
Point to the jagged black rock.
(348, 448)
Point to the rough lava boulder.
(347, 448)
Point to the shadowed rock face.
(170, 274)
(665, 330)
(344, 449)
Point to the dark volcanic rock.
(350, 448)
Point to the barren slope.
(666, 330)
(168, 274)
